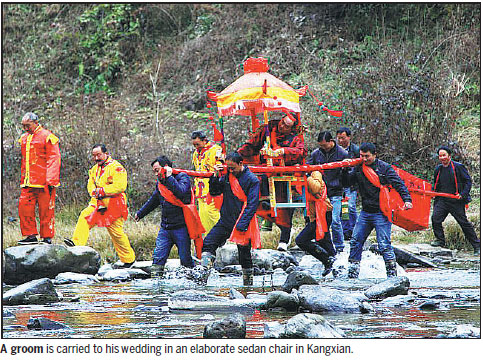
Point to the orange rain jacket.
(40, 159)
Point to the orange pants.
(29, 197)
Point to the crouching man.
(237, 223)
(371, 177)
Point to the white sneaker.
(282, 247)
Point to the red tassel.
(335, 113)
(217, 137)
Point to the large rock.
(34, 292)
(318, 298)
(306, 325)
(280, 299)
(390, 287)
(194, 300)
(71, 277)
(26, 263)
(405, 257)
(297, 279)
(233, 326)
(267, 259)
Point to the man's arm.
(398, 184)
(53, 160)
(151, 204)
(254, 144)
(296, 152)
(252, 204)
(180, 186)
(118, 184)
(466, 183)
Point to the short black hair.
(163, 161)
(235, 157)
(198, 134)
(444, 147)
(100, 145)
(368, 147)
(324, 135)
(344, 129)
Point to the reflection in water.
(138, 310)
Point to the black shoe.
(126, 265)
(68, 242)
(47, 240)
(476, 252)
(265, 205)
(29, 240)
(438, 243)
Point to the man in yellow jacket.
(108, 205)
(205, 156)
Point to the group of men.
(228, 201)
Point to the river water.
(138, 309)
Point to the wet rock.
(233, 269)
(429, 305)
(406, 257)
(26, 263)
(38, 292)
(306, 325)
(280, 299)
(234, 294)
(42, 323)
(71, 277)
(7, 313)
(325, 299)
(117, 275)
(226, 256)
(103, 270)
(297, 279)
(267, 259)
(195, 300)
(465, 331)
(398, 301)
(390, 287)
(273, 330)
(233, 326)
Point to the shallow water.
(138, 309)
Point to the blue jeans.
(348, 225)
(364, 226)
(337, 232)
(165, 241)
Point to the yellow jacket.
(203, 162)
(111, 176)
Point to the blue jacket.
(172, 216)
(370, 193)
(332, 177)
(463, 178)
(231, 207)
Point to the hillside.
(134, 76)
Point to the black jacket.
(231, 207)
(463, 178)
(332, 177)
(172, 216)
(370, 193)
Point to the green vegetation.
(134, 76)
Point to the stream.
(139, 308)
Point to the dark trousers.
(441, 209)
(217, 237)
(321, 249)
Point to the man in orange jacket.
(39, 177)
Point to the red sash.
(191, 216)
(389, 200)
(320, 212)
(103, 217)
(253, 234)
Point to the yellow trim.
(257, 93)
(53, 139)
